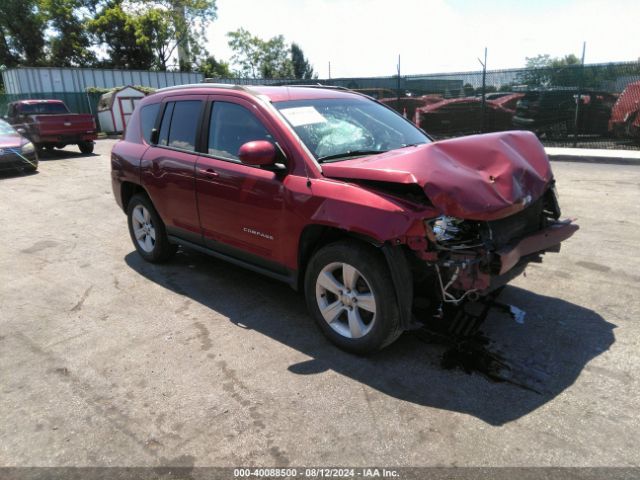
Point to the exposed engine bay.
(470, 254)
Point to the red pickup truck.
(49, 124)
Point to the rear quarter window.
(148, 115)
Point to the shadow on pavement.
(68, 153)
(15, 173)
(558, 338)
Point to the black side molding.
(290, 277)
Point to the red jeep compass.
(337, 195)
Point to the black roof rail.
(228, 86)
(318, 85)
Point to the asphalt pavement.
(106, 360)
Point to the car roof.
(29, 102)
(273, 93)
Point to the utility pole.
(398, 87)
(329, 70)
(484, 83)
(579, 97)
(184, 52)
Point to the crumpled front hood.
(480, 177)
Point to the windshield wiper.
(352, 153)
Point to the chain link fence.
(591, 106)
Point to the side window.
(179, 125)
(148, 116)
(163, 138)
(231, 126)
(184, 124)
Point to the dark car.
(337, 195)
(551, 112)
(464, 116)
(16, 152)
(49, 124)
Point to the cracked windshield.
(335, 129)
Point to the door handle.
(208, 172)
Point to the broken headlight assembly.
(453, 233)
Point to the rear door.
(167, 168)
(240, 205)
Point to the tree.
(543, 70)
(301, 67)
(211, 68)
(247, 51)
(21, 33)
(487, 89)
(69, 42)
(156, 30)
(468, 90)
(148, 37)
(567, 71)
(185, 20)
(273, 58)
(122, 35)
(275, 61)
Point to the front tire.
(147, 231)
(86, 147)
(350, 294)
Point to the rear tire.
(147, 230)
(350, 294)
(86, 147)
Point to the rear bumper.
(65, 138)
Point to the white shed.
(115, 108)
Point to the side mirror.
(259, 152)
(21, 131)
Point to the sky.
(364, 37)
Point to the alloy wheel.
(143, 228)
(346, 300)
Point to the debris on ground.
(458, 328)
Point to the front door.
(240, 206)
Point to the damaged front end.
(481, 208)
(471, 258)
